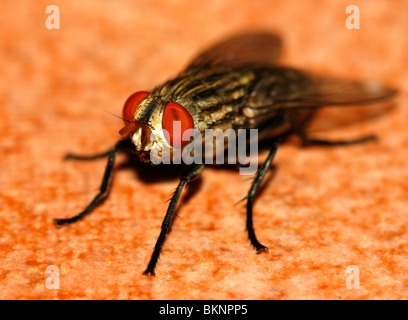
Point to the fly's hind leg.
(251, 196)
(308, 141)
(105, 186)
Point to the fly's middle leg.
(251, 195)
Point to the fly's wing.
(338, 92)
(297, 93)
(249, 48)
(311, 92)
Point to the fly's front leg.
(106, 181)
(251, 195)
(192, 173)
(72, 156)
(122, 144)
(307, 141)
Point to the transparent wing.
(335, 92)
(249, 48)
(320, 92)
(337, 116)
(356, 96)
(291, 91)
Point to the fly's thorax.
(213, 94)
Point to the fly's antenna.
(115, 115)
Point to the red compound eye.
(172, 113)
(132, 103)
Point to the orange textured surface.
(324, 209)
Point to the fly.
(235, 84)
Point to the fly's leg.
(250, 199)
(73, 156)
(190, 175)
(122, 144)
(105, 186)
(307, 141)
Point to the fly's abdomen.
(274, 89)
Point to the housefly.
(235, 84)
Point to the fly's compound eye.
(129, 109)
(176, 120)
(132, 103)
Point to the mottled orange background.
(322, 211)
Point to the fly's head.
(155, 125)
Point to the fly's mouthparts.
(143, 138)
(128, 128)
